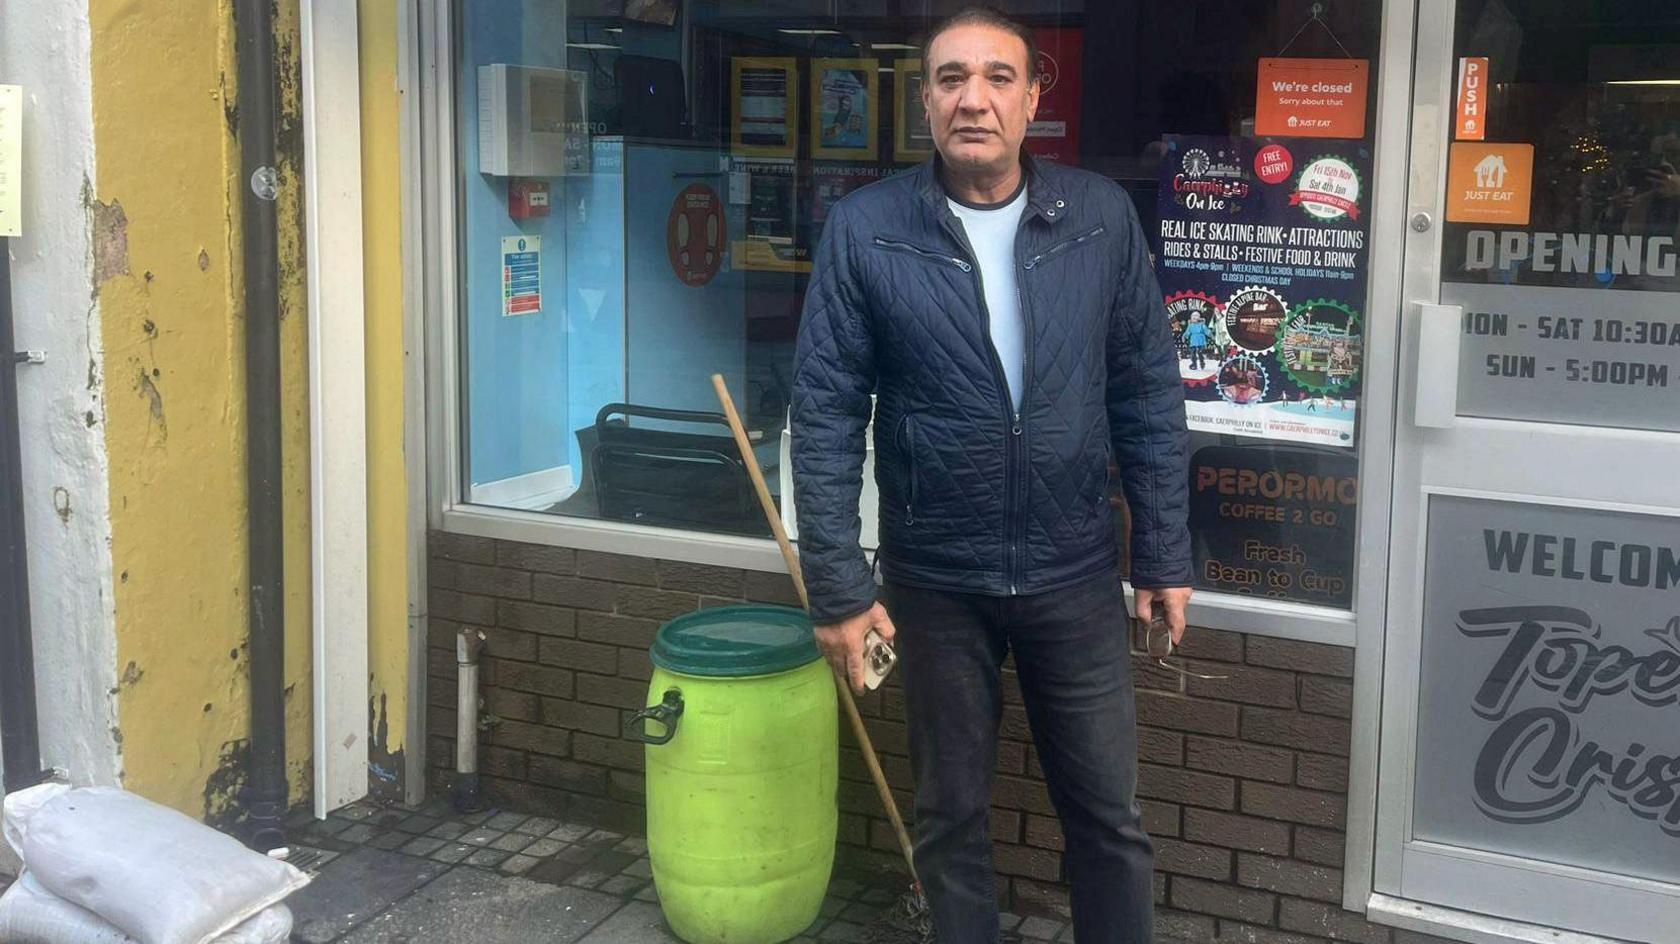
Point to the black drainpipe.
(265, 791)
(20, 744)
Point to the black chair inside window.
(688, 477)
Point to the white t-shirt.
(991, 231)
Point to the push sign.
(1472, 98)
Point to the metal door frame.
(1417, 78)
(1391, 172)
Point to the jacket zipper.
(1020, 428)
(1063, 247)
(894, 244)
(910, 463)
(1011, 416)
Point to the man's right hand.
(842, 643)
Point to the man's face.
(979, 95)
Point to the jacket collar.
(1044, 198)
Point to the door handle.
(1435, 400)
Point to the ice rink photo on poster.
(1199, 335)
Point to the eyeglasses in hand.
(1158, 642)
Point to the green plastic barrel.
(742, 774)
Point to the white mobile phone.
(878, 660)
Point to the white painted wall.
(45, 48)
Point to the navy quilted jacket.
(973, 496)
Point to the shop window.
(1562, 216)
(641, 186)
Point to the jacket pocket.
(907, 447)
(1084, 239)
(894, 245)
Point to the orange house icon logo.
(1489, 183)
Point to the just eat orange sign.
(1312, 98)
(1489, 183)
(1472, 98)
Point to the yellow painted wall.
(387, 477)
(171, 302)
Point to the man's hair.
(981, 15)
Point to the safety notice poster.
(1263, 247)
(521, 275)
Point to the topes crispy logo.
(1538, 765)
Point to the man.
(1005, 313)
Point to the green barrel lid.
(736, 641)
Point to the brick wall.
(1243, 781)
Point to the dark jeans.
(1070, 651)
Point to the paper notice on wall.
(1263, 261)
(521, 275)
(11, 160)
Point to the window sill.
(1260, 616)
(1224, 611)
(691, 547)
(1465, 926)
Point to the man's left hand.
(1173, 599)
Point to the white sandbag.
(20, 806)
(272, 925)
(160, 876)
(29, 914)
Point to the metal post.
(265, 792)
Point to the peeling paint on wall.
(385, 766)
(222, 808)
(110, 241)
(157, 427)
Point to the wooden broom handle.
(841, 684)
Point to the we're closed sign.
(1312, 98)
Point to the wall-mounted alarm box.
(527, 198)
(532, 122)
